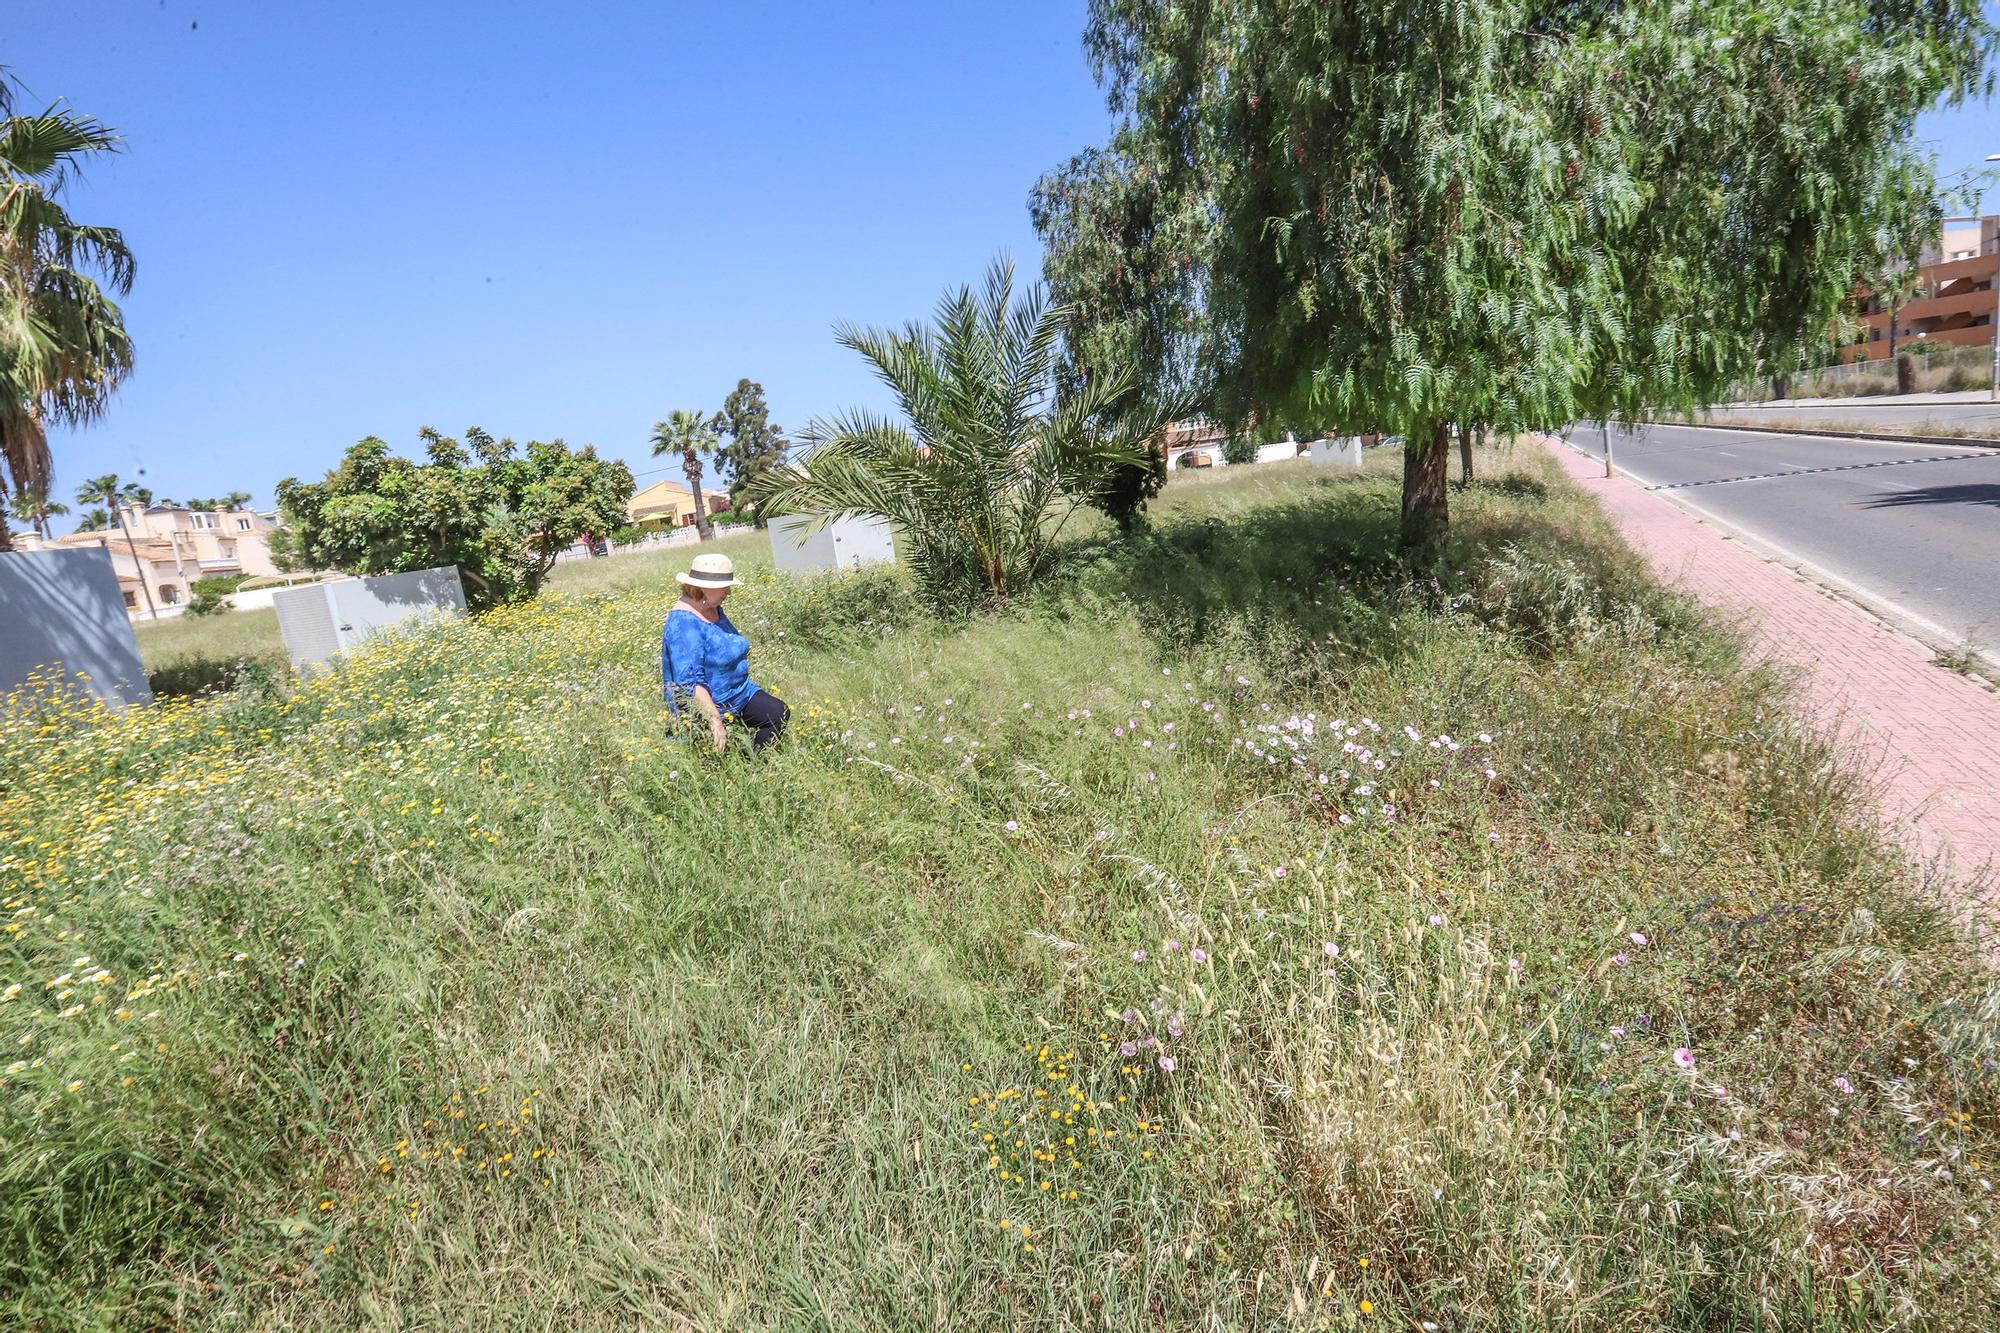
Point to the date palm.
(107, 491)
(689, 435)
(35, 509)
(988, 462)
(63, 345)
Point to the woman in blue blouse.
(704, 660)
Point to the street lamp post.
(1993, 392)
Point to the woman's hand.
(718, 729)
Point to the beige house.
(172, 547)
(670, 504)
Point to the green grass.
(188, 655)
(761, 1014)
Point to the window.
(167, 594)
(243, 525)
(201, 522)
(131, 600)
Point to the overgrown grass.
(194, 655)
(1120, 961)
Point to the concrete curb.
(1965, 441)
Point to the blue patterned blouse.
(694, 652)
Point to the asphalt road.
(1861, 414)
(1914, 528)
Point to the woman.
(703, 658)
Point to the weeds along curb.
(1970, 441)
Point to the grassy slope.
(754, 1021)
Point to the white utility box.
(842, 544)
(1342, 452)
(323, 619)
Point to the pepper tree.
(1396, 215)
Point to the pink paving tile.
(1931, 736)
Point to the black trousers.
(768, 714)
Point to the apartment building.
(163, 550)
(1953, 305)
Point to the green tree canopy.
(63, 346)
(229, 503)
(498, 511)
(1510, 213)
(753, 443)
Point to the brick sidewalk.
(1932, 735)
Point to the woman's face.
(704, 596)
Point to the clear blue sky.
(549, 220)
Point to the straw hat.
(711, 571)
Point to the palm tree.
(106, 491)
(63, 346)
(988, 464)
(93, 520)
(36, 511)
(689, 435)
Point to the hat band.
(709, 580)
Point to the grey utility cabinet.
(842, 544)
(62, 615)
(324, 619)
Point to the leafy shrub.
(502, 519)
(1238, 449)
(816, 610)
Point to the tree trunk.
(6, 536)
(138, 565)
(691, 464)
(1426, 469)
(1465, 454)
